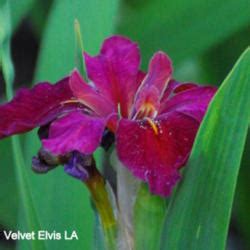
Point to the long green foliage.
(199, 214)
(182, 28)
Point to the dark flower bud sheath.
(46, 161)
(108, 138)
(39, 167)
(43, 131)
(51, 159)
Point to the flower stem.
(127, 187)
(99, 195)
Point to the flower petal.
(115, 71)
(159, 74)
(75, 132)
(89, 96)
(193, 101)
(156, 157)
(185, 86)
(34, 107)
(175, 87)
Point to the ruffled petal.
(115, 71)
(155, 154)
(191, 100)
(75, 132)
(89, 96)
(34, 107)
(159, 74)
(175, 87)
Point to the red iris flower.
(154, 118)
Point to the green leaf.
(63, 202)
(199, 213)
(38, 16)
(8, 186)
(242, 197)
(149, 212)
(79, 50)
(182, 28)
(18, 10)
(6, 246)
(8, 72)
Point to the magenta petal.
(89, 96)
(159, 74)
(156, 158)
(162, 184)
(75, 132)
(175, 87)
(33, 107)
(160, 71)
(193, 101)
(149, 95)
(184, 86)
(115, 71)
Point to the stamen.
(152, 124)
(71, 101)
(146, 110)
(149, 106)
(119, 110)
(76, 101)
(137, 114)
(154, 114)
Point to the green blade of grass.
(182, 28)
(242, 198)
(199, 214)
(9, 203)
(8, 72)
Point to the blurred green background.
(203, 38)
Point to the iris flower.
(153, 117)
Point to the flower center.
(146, 110)
(152, 124)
